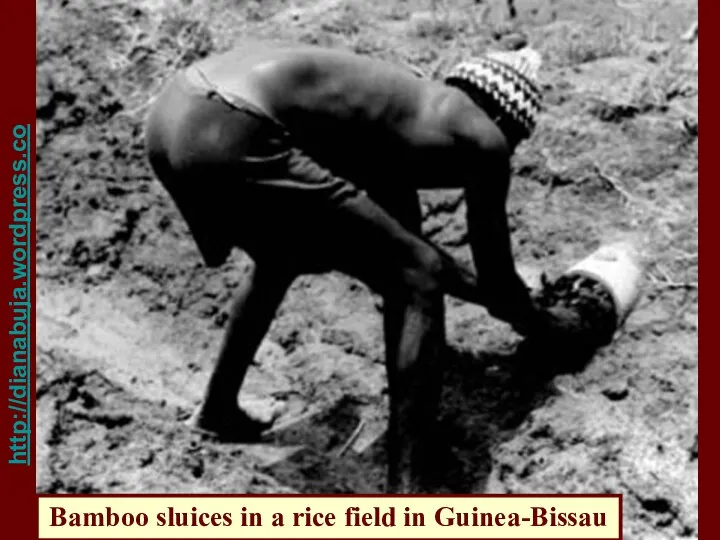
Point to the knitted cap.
(508, 78)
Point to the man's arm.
(507, 296)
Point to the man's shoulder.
(472, 127)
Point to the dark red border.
(619, 498)
(707, 347)
(17, 41)
(19, 509)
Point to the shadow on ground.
(486, 397)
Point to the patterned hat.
(510, 79)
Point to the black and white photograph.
(370, 247)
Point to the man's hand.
(525, 312)
(556, 322)
(513, 304)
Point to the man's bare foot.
(230, 425)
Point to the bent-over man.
(310, 160)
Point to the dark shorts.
(235, 173)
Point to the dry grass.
(442, 29)
(130, 49)
(577, 43)
(447, 20)
(673, 77)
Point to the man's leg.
(455, 278)
(340, 227)
(415, 339)
(414, 326)
(253, 310)
(379, 226)
(413, 277)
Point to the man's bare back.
(364, 118)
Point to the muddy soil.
(129, 320)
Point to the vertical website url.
(20, 228)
